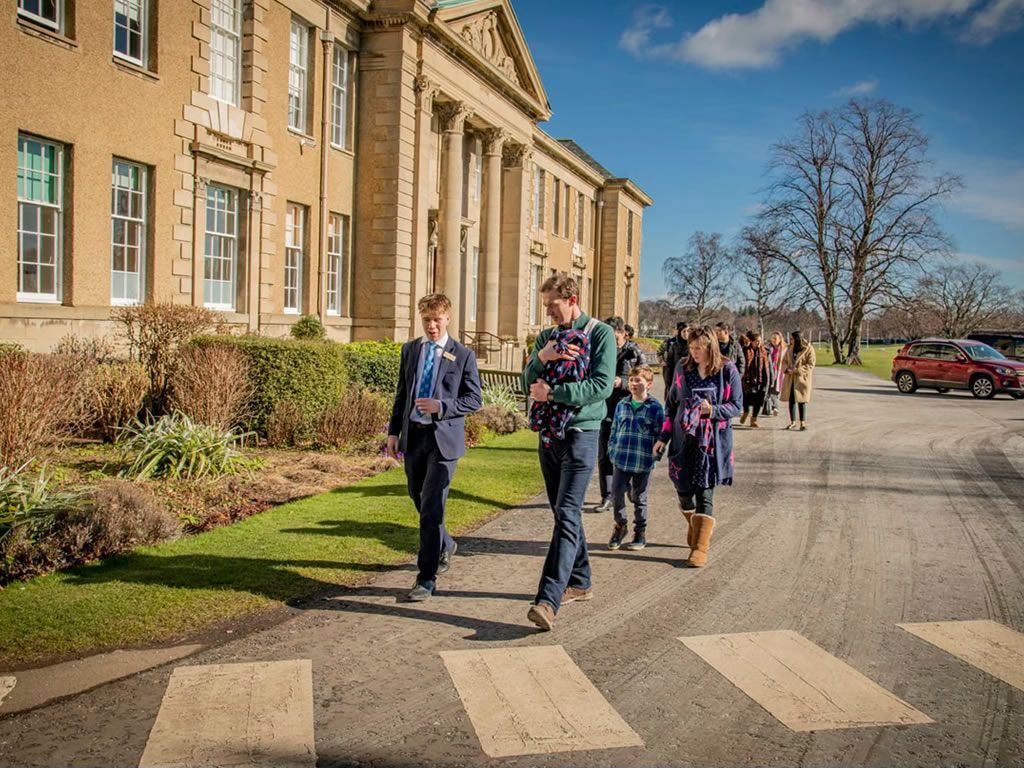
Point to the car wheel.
(906, 383)
(983, 388)
(942, 390)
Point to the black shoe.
(639, 540)
(445, 564)
(604, 506)
(419, 593)
(618, 535)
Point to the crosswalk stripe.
(987, 645)
(6, 686)
(524, 701)
(800, 684)
(258, 714)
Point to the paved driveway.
(800, 644)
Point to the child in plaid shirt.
(636, 426)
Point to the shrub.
(501, 395)
(211, 385)
(154, 332)
(359, 416)
(308, 327)
(119, 517)
(117, 394)
(10, 348)
(29, 502)
(43, 399)
(174, 446)
(500, 420)
(310, 374)
(97, 350)
(286, 425)
(475, 430)
(374, 364)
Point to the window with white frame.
(341, 98)
(226, 50)
(294, 240)
(130, 30)
(539, 180)
(629, 233)
(478, 171)
(474, 282)
(556, 224)
(567, 206)
(581, 217)
(536, 275)
(48, 13)
(40, 219)
(127, 232)
(298, 76)
(337, 264)
(220, 248)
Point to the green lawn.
(337, 538)
(876, 359)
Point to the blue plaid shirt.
(634, 433)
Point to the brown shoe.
(577, 595)
(543, 615)
(704, 524)
(691, 539)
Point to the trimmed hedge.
(311, 374)
(374, 364)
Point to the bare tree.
(802, 211)
(886, 223)
(770, 285)
(961, 298)
(697, 281)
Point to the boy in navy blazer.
(438, 386)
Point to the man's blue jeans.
(567, 466)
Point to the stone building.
(276, 158)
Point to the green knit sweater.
(590, 394)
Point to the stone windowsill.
(132, 68)
(47, 35)
(305, 137)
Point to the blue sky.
(686, 98)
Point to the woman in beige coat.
(796, 387)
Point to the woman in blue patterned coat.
(706, 395)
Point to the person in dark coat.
(438, 386)
(756, 377)
(706, 395)
(672, 352)
(730, 347)
(626, 359)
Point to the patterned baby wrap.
(550, 418)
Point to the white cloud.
(998, 17)
(646, 19)
(863, 88)
(993, 191)
(758, 39)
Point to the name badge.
(448, 356)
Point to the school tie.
(427, 379)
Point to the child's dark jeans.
(636, 484)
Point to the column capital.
(515, 154)
(494, 140)
(453, 116)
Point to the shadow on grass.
(399, 490)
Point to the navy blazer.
(456, 385)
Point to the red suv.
(945, 364)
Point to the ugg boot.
(691, 540)
(703, 526)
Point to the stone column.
(515, 246)
(453, 116)
(494, 141)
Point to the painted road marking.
(800, 684)
(987, 645)
(6, 686)
(257, 714)
(526, 701)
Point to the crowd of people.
(592, 403)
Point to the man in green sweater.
(568, 464)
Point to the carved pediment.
(483, 34)
(490, 29)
